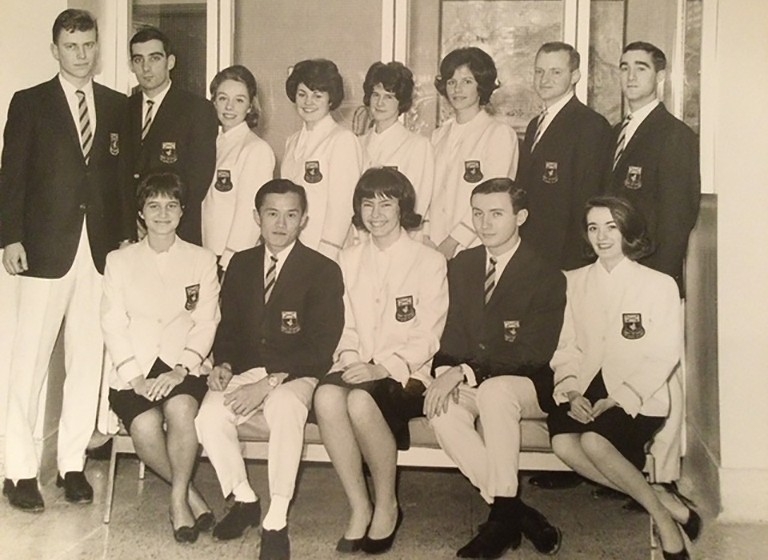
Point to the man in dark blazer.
(282, 315)
(562, 158)
(170, 129)
(506, 311)
(656, 161)
(64, 204)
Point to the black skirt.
(397, 404)
(628, 435)
(128, 405)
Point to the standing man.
(504, 319)
(171, 129)
(64, 205)
(282, 315)
(562, 159)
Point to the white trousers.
(490, 461)
(285, 410)
(8, 293)
(42, 304)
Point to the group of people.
(378, 279)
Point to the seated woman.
(396, 302)
(159, 314)
(619, 345)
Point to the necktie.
(147, 119)
(270, 278)
(86, 136)
(539, 129)
(490, 279)
(620, 141)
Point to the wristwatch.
(273, 380)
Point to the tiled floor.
(441, 511)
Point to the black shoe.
(24, 495)
(241, 516)
(275, 545)
(100, 453)
(493, 539)
(205, 522)
(185, 534)
(682, 555)
(349, 545)
(379, 546)
(692, 527)
(76, 487)
(537, 529)
(556, 480)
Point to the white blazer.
(394, 318)
(158, 305)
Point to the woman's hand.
(220, 377)
(140, 386)
(581, 408)
(360, 372)
(441, 391)
(602, 405)
(164, 383)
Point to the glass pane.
(184, 22)
(692, 85)
(606, 34)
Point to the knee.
(180, 411)
(498, 393)
(282, 402)
(359, 405)
(328, 400)
(594, 445)
(212, 413)
(562, 446)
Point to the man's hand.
(360, 372)
(602, 405)
(448, 247)
(441, 391)
(247, 398)
(220, 377)
(581, 408)
(15, 258)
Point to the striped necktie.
(490, 279)
(86, 136)
(270, 278)
(147, 119)
(621, 140)
(539, 129)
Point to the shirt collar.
(235, 133)
(640, 115)
(502, 260)
(555, 108)
(70, 88)
(321, 127)
(157, 100)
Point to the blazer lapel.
(258, 279)
(63, 116)
(287, 271)
(649, 125)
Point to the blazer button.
(481, 346)
(136, 175)
(263, 341)
(83, 206)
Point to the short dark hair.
(518, 195)
(635, 242)
(574, 58)
(149, 33)
(479, 63)
(74, 20)
(160, 183)
(281, 186)
(657, 55)
(240, 74)
(318, 74)
(395, 78)
(387, 183)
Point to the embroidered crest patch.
(193, 295)
(312, 173)
(632, 326)
(114, 143)
(405, 309)
(289, 322)
(550, 173)
(510, 330)
(223, 180)
(634, 178)
(472, 171)
(168, 153)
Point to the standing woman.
(388, 93)
(244, 162)
(324, 157)
(469, 148)
(620, 343)
(395, 306)
(159, 314)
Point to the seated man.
(281, 317)
(505, 314)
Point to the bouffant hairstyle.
(657, 55)
(163, 184)
(317, 74)
(73, 20)
(518, 195)
(635, 243)
(240, 74)
(394, 78)
(385, 182)
(479, 63)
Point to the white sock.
(277, 516)
(244, 493)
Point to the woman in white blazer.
(469, 148)
(244, 162)
(395, 306)
(159, 314)
(620, 343)
(323, 157)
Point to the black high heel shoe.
(205, 522)
(692, 527)
(379, 546)
(682, 555)
(184, 534)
